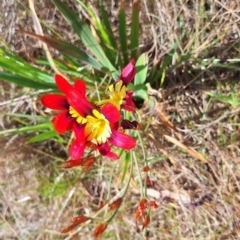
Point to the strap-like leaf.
(43, 136)
(11, 62)
(67, 48)
(135, 28)
(85, 34)
(123, 35)
(142, 68)
(25, 82)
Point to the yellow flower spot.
(76, 115)
(117, 94)
(97, 129)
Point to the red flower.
(90, 124)
(64, 120)
(100, 129)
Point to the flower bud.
(128, 72)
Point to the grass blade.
(102, 34)
(123, 35)
(68, 49)
(41, 126)
(43, 136)
(135, 29)
(85, 34)
(25, 82)
(28, 73)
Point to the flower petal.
(111, 113)
(105, 150)
(63, 122)
(122, 140)
(79, 130)
(73, 163)
(129, 105)
(79, 103)
(128, 73)
(127, 124)
(76, 150)
(55, 101)
(80, 86)
(63, 84)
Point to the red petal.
(141, 209)
(105, 150)
(153, 204)
(73, 163)
(112, 156)
(79, 103)
(126, 124)
(122, 140)
(129, 105)
(116, 204)
(63, 122)
(63, 84)
(100, 229)
(111, 112)
(128, 73)
(80, 86)
(88, 162)
(79, 132)
(55, 101)
(69, 228)
(80, 219)
(146, 221)
(76, 150)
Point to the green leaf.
(38, 127)
(123, 35)
(12, 63)
(155, 74)
(80, 72)
(25, 82)
(85, 34)
(142, 68)
(108, 27)
(68, 49)
(135, 29)
(232, 99)
(140, 91)
(43, 136)
(126, 162)
(104, 36)
(32, 117)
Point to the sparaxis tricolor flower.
(91, 124)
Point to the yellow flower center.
(97, 128)
(117, 94)
(76, 115)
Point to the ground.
(192, 140)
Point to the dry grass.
(197, 200)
